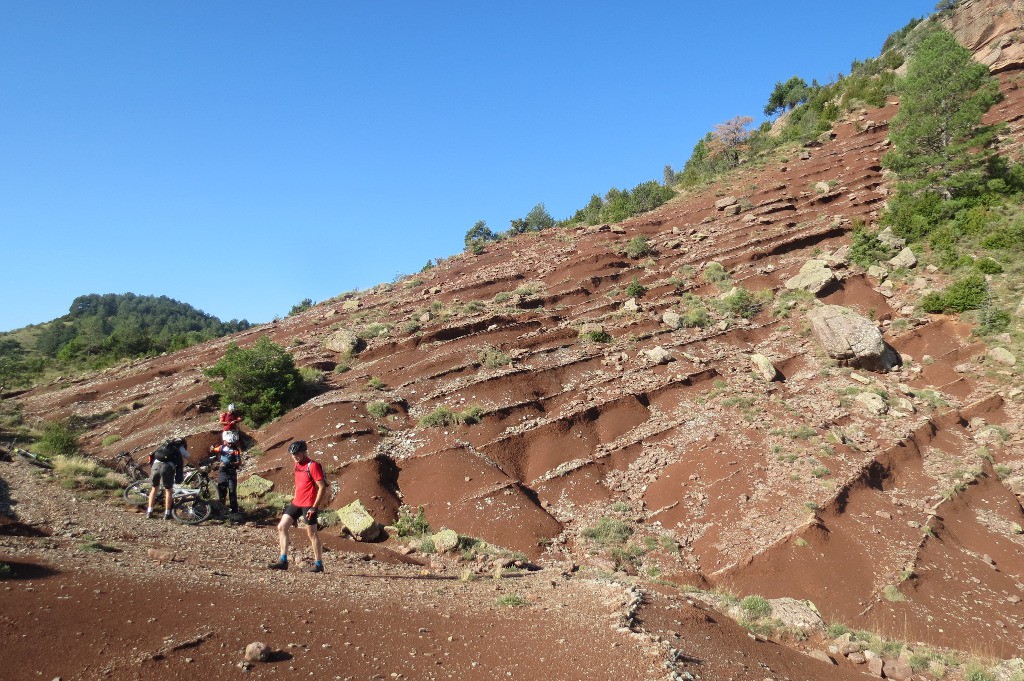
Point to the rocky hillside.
(761, 415)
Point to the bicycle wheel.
(191, 511)
(138, 492)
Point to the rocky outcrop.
(815, 276)
(852, 339)
(992, 29)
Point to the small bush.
(512, 601)
(601, 336)
(988, 266)
(635, 289)
(638, 247)
(715, 273)
(378, 409)
(59, 439)
(493, 358)
(609, 531)
(866, 250)
(443, 417)
(375, 383)
(740, 302)
(409, 525)
(755, 607)
(109, 440)
(502, 296)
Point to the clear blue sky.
(242, 156)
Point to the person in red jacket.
(230, 419)
(310, 493)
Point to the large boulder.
(358, 521)
(815, 276)
(763, 367)
(852, 339)
(445, 541)
(905, 259)
(254, 486)
(672, 320)
(343, 342)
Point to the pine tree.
(937, 135)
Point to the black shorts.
(163, 474)
(296, 512)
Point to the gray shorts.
(163, 474)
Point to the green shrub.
(755, 607)
(866, 249)
(302, 306)
(261, 379)
(502, 296)
(313, 380)
(375, 383)
(715, 273)
(609, 531)
(988, 266)
(512, 601)
(109, 440)
(739, 302)
(968, 293)
(976, 672)
(59, 439)
(378, 409)
(409, 525)
(601, 336)
(638, 247)
(443, 417)
(493, 358)
(695, 313)
(635, 289)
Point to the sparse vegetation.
(638, 247)
(512, 601)
(444, 417)
(492, 357)
(635, 289)
(59, 438)
(409, 524)
(609, 532)
(755, 607)
(378, 409)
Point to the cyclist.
(230, 419)
(229, 454)
(310, 492)
(168, 463)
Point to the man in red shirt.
(230, 419)
(310, 492)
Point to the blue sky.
(243, 156)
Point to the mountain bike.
(31, 457)
(127, 466)
(190, 499)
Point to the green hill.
(101, 329)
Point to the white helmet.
(231, 407)
(229, 437)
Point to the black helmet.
(297, 447)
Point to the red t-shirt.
(229, 420)
(305, 489)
